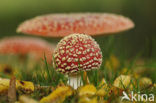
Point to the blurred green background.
(141, 39)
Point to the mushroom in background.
(60, 25)
(27, 45)
(75, 53)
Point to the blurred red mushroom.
(26, 45)
(60, 25)
(75, 53)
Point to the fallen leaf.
(21, 86)
(87, 90)
(122, 81)
(25, 99)
(58, 95)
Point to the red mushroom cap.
(26, 45)
(77, 52)
(60, 25)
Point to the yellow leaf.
(4, 85)
(25, 99)
(87, 90)
(88, 100)
(25, 86)
(104, 88)
(123, 81)
(58, 95)
(145, 82)
(102, 83)
(20, 85)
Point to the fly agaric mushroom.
(75, 53)
(26, 45)
(60, 25)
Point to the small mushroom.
(26, 45)
(75, 53)
(60, 25)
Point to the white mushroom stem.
(75, 81)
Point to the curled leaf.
(122, 81)
(103, 91)
(58, 95)
(23, 86)
(87, 90)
